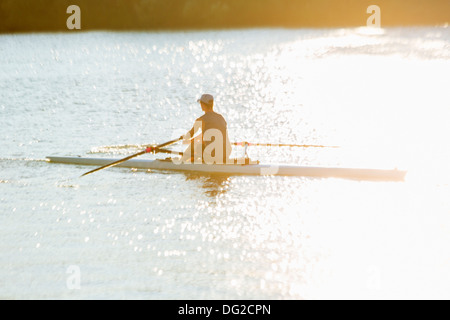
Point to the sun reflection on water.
(381, 97)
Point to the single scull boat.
(243, 169)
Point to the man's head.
(207, 102)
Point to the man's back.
(213, 120)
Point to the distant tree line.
(50, 15)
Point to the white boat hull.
(236, 169)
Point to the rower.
(212, 145)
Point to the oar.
(281, 145)
(147, 150)
(159, 150)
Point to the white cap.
(207, 99)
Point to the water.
(126, 234)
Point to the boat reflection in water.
(212, 185)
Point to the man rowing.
(212, 145)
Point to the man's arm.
(190, 134)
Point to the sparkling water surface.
(133, 234)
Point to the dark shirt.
(213, 120)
